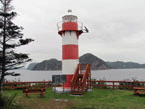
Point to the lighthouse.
(70, 30)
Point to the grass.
(97, 99)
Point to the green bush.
(124, 85)
(8, 102)
(95, 84)
(132, 84)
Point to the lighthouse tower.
(69, 29)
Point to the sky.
(116, 28)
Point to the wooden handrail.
(85, 73)
(85, 76)
(74, 78)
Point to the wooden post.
(113, 85)
(99, 86)
(128, 87)
(29, 85)
(12, 86)
(26, 92)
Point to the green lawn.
(97, 99)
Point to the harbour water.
(112, 74)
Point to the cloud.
(116, 27)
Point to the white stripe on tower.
(69, 66)
(70, 55)
(69, 38)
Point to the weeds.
(9, 102)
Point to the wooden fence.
(22, 85)
(92, 83)
(117, 84)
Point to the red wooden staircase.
(79, 80)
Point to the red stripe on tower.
(70, 26)
(70, 52)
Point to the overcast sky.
(116, 28)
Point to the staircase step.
(78, 85)
(77, 88)
(81, 74)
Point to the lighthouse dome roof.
(69, 17)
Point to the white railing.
(59, 26)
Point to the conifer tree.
(10, 37)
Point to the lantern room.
(69, 18)
(69, 22)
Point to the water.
(113, 74)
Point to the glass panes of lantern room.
(69, 18)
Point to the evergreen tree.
(10, 38)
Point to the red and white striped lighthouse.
(69, 29)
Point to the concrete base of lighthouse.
(66, 87)
(61, 90)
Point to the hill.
(31, 66)
(124, 65)
(53, 64)
(96, 63)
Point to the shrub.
(8, 102)
(95, 84)
(131, 84)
